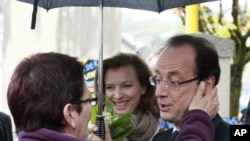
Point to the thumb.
(200, 90)
(196, 101)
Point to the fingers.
(196, 102)
(212, 106)
(216, 102)
(213, 92)
(209, 102)
(212, 97)
(200, 90)
(94, 137)
(107, 133)
(93, 127)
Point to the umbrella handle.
(101, 126)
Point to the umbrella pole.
(99, 118)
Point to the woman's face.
(123, 89)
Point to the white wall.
(73, 31)
(224, 87)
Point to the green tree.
(236, 28)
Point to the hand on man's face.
(207, 102)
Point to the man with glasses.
(184, 63)
(49, 100)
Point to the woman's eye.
(109, 87)
(127, 85)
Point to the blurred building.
(70, 30)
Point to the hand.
(107, 133)
(209, 102)
(94, 137)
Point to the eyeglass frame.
(153, 81)
(89, 100)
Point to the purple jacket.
(196, 125)
(44, 134)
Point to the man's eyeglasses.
(172, 84)
(92, 101)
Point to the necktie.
(174, 135)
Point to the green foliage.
(94, 111)
(236, 28)
(120, 127)
(214, 24)
(224, 31)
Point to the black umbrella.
(151, 5)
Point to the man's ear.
(69, 115)
(209, 83)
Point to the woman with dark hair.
(49, 100)
(126, 85)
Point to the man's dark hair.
(206, 60)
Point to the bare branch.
(235, 12)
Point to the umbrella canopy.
(151, 5)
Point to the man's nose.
(161, 90)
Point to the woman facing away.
(49, 100)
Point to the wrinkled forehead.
(179, 58)
(175, 52)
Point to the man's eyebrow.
(175, 72)
(168, 74)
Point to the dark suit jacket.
(5, 128)
(247, 114)
(221, 131)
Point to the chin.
(166, 116)
(120, 113)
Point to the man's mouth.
(164, 107)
